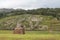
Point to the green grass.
(30, 35)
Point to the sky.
(29, 4)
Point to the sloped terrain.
(34, 22)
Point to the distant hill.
(6, 10)
(41, 18)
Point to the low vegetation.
(30, 35)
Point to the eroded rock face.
(19, 30)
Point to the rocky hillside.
(30, 22)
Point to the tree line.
(55, 12)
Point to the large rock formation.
(19, 29)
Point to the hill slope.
(34, 22)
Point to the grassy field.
(30, 35)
